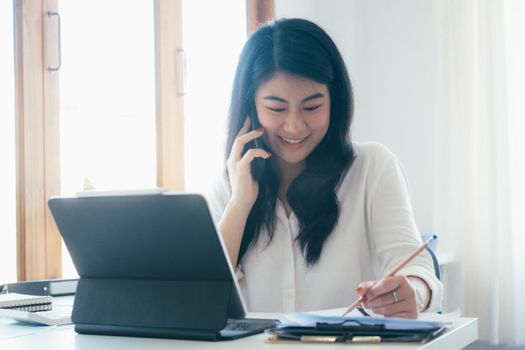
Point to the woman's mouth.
(293, 142)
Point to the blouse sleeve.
(394, 231)
(218, 197)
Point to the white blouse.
(375, 232)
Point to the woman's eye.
(275, 109)
(313, 108)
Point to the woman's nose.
(294, 124)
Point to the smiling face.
(295, 113)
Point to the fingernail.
(269, 154)
(359, 290)
(260, 130)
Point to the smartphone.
(257, 163)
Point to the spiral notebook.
(25, 302)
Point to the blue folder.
(311, 327)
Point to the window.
(112, 116)
(107, 97)
(212, 52)
(7, 146)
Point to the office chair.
(437, 268)
(435, 262)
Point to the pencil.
(396, 270)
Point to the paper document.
(311, 320)
(57, 316)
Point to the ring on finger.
(394, 295)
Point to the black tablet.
(151, 265)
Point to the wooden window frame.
(258, 12)
(169, 86)
(37, 148)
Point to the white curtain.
(481, 160)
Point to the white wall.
(391, 49)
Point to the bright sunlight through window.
(213, 35)
(107, 95)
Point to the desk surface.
(16, 336)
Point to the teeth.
(293, 140)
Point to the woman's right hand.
(244, 188)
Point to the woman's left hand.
(392, 297)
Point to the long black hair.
(298, 47)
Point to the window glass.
(213, 35)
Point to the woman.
(306, 215)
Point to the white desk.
(15, 336)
